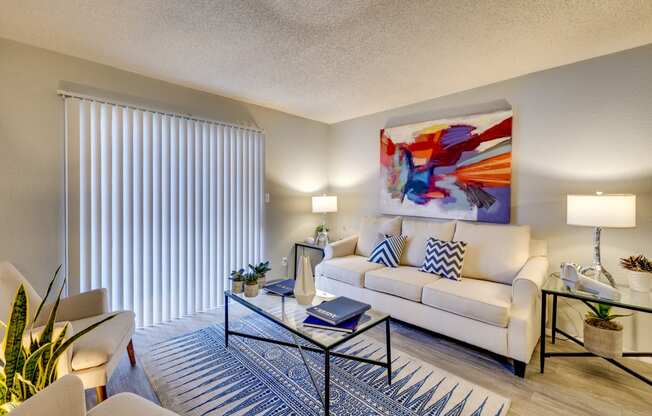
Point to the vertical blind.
(160, 207)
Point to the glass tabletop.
(288, 313)
(631, 299)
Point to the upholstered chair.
(65, 397)
(96, 354)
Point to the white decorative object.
(639, 281)
(304, 287)
(600, 210)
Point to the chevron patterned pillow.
(389, 250)
(444, 258)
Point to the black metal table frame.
(303, 246)
(555, 330)
(320, 348)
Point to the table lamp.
(323, 205)
(600, 210)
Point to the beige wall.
(32, 152)
(578, 128)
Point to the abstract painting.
(457, 168)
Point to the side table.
(630, 300)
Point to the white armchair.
(95, 355)
(65, 397)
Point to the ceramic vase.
(237, 286)
(640, 281)
(261, 281)
(304, 287)
(251, 291)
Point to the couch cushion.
(404, 281)
(493, 252)
(418, 232)
(348, 269)
(481, 300)
(388, 251)
(128, 404)
(98, 346)
(372, 230)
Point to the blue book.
(338, 310)
(281, 288)
(348, 326)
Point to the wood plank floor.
(570, 386)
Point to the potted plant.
(260, 270)
(237, 281)
(321, 235)
(29, 368)
(640, 272)
(251, 284)
(603, 336)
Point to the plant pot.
(640, 281)
(251, 291)
(607, 343)
(237, 286)
(261, 281)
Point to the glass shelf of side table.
(629, 299)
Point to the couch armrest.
(64, 397)
(341, 248)
(526, 287)
(75, 307)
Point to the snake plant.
(29, 367)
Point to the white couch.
(496, 305)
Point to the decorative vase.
(251, 291)
(322, 238)
(237, 286)
(304, 287)
(607, 343)
(639, 281)
(261, 281)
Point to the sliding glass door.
(160, 208)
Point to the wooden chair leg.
(100, 394)
(131, 353)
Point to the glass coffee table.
(629, 300)
(287, 313)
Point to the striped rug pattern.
(195, 375)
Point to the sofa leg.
(519, 368)
(100, 394)
(131, 353)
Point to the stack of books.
(340, 314)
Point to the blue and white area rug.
(195, 375)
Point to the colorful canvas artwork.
(458, 168)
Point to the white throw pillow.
(418, 233)
(494, 252)
(373, 230)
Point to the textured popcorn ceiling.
(330, 60)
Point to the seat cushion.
(481, 300)
(404, 281)
(418, 232)
(348, 269)
(128, 404)
(493, 252)
(372, 230)
(98, 346)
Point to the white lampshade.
(323, 204)
(601, 210)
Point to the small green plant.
(238, 275)
(321, 229)
(29, 369)
(250, 278)
(600, 316)
(637, 264)
(261, 269)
